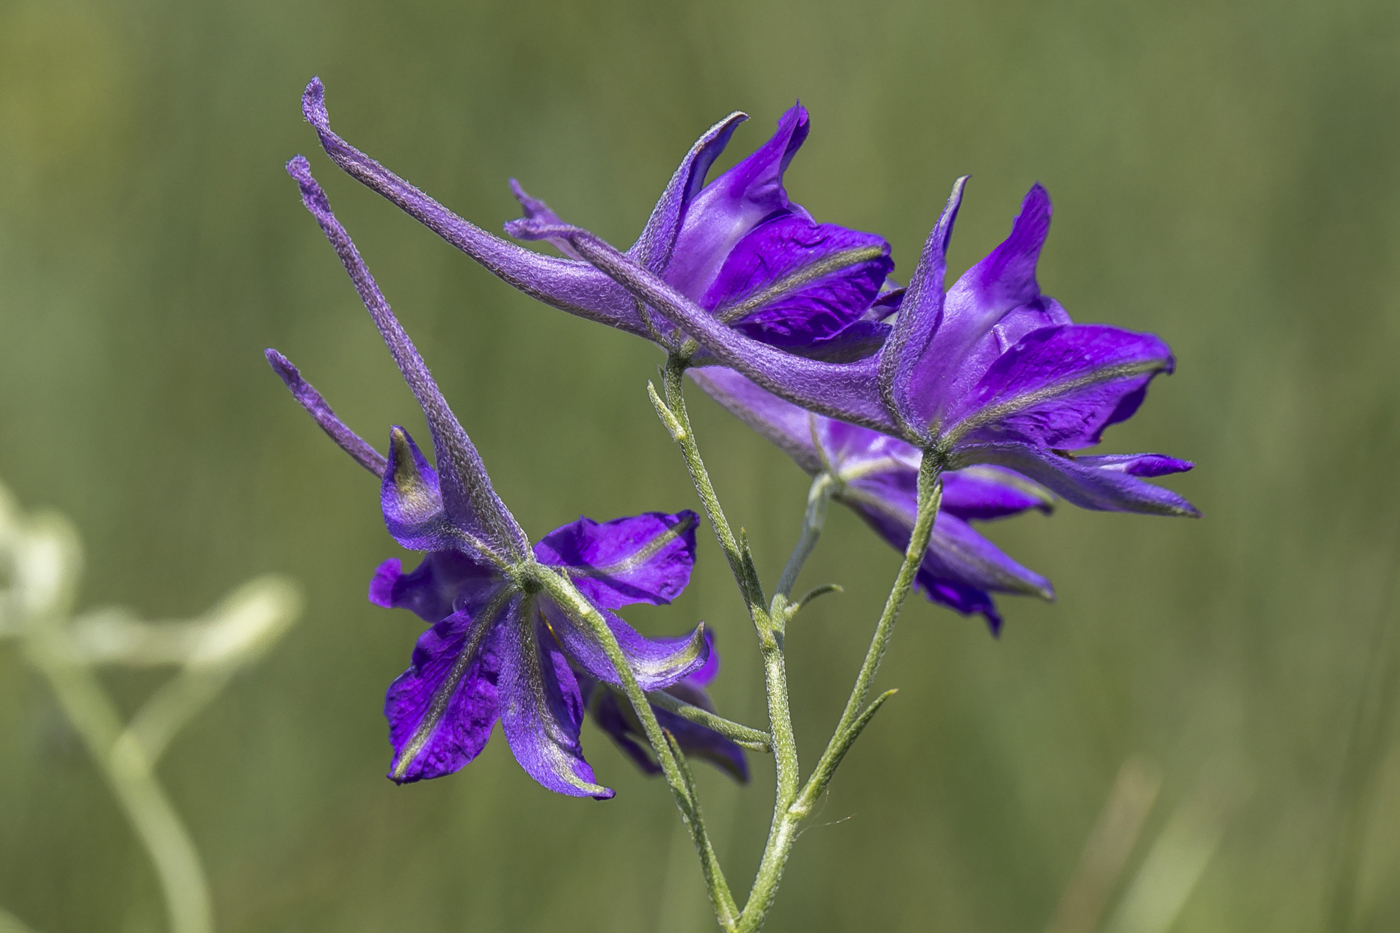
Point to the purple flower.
(737, 247)
(877, 476)
(499, 647)
(991, 372)
(615, 716)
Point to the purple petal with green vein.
(541, 708)
(640, 559)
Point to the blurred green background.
(1225, 175)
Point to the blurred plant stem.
(44, 558)
(1365, 753)
(1106, 852)
(793, 800)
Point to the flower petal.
(411, 499)
(468, 499)
(791, 282)
(615, 716)
(983, 297)
(1059, 387)
(842, 390)
(541, 707)
(442, 708)
(654, 247)
(1088, 482)
(732, 205)
(959, 562)
(565, 284)
(985, 492)
(919, 321)
(641, 559)
(655, 662)
(350, 442)
(442, 583)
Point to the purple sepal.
(957, 350)
(816, 306)
(1088, 482)
(722, 212)
(655, 662)
(542, 709)
(615, 716)
(442, 708)
(1060, 387)
(641, 559)
(443, 582)
(411, 499)
(988, 492)
(880, 474)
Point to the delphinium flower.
(501, 644)
(615, 716)
(877, 475)
(992, 372)
(738, 247)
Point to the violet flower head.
(615, 716)
(738, 247)
(877, 477)
(499, 646)
(990, 372)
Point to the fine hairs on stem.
(794, 801)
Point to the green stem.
(753, 739)
(812, 523)
(131, 775)
(854, 718)
(672, 763)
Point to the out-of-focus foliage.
(1224, 175)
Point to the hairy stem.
(812, 523)
(855, 717)
(672, 763)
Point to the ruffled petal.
(642, 559)
(987, 492)
(791, 282)
(442, 583)
(732, 205)
(1088, 482)
(541, 707)
(655, 662)
(1059, 387)
(565, 284)
(442, 708)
